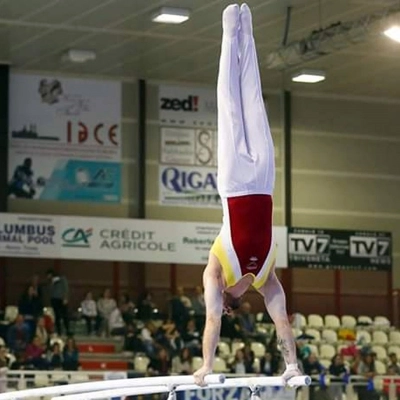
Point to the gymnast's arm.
(214, 305)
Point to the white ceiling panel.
(65, 10)
(34, 33)
(16, 9)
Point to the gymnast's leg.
(258, 134)
(231, 137)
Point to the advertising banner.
(64, 139)
(189, 147)
(265, 393)
(114, 239)
(145, 240)
(29, 236)
(187, 106)
(188, 186)
(339, 249)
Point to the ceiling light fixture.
(393, 33)
(79, 56)
(171, 15)
(307, 76)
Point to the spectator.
(19, 362)
(132, 340)
(18, 335)
(393, 364)
(269, 365)
(303, 350)
(105, 306)
(145, 306)
(55, 357)
(175, 342)
(197, 301)
(230, 327)
(59, 293)
(30, 306)
(249, 356)
(35, 353)
(366, 368)
(147, 336)
(89, 313)
(180, 309)
(247, 320)
(127, 308)
(312, 366)
(183, 298)
(4, 360)
(37, 286)
(338, 369)
(70, 356)
(161, 365)
(183, 364)
(240, 365)
(192, 337)
(41, 332)
(116, 324)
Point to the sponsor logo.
(29, 234)
(76, 237)
(190, 104)
(181, 181)
(369, 247)
(308, 244)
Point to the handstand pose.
(244, 252)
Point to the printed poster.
(64, 139)
(187, 106)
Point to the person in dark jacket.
(59, 294)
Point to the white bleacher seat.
(380, 352)
(299, 321)
(256, 365)
(329, 335)
(327, 351)
(197, 362)
(395, 350)
(224, 349)
(394, 337)
(79, 378)
(296, 332)
(261, 329)
(10, 313)
(315, 333)
(380, 367)
(381, 320)
(219, 365)
(259, 317)
(379, 337)
(363, 336)
(348, 321)
(332, 321)
(235, 346)
(141, 363)
(59, 376)
(315, 321)
(364, 319)
(41, 380)
(326, 363)
(314, 349)
(258, 349)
